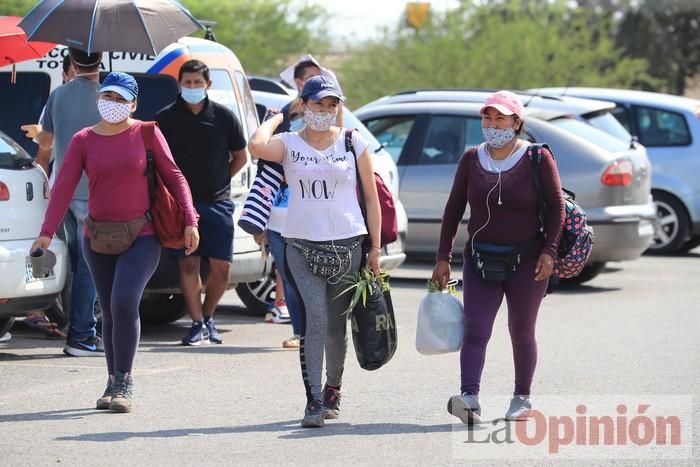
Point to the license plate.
(29, 275)
(645, 229)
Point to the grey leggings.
(323, 318)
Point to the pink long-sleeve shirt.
(117, 185)
(516, 220)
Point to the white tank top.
(323, 202)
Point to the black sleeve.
(236, 137)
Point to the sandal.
(46, 327)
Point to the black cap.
(84, 59)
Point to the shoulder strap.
(349, 147)
(534, 153)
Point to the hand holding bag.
(440, 327)
(374, 328)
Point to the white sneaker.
(278, 314)
(5, 337)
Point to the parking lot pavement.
(631, 331)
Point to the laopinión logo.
(582, 427)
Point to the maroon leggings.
(482, 300)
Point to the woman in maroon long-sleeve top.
(496, 179)
(113, 155)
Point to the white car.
(24, 197)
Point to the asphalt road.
(631, 331)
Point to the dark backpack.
(577, 236)
(389, 228)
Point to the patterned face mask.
(113, 112)
(319, 121)
(497, 137)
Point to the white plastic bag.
(440, 327)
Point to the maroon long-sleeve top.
(516, 220)
(117, 183)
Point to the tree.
(666, 33)
(496, 44)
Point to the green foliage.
(266, 35)
(16, 7)
(451, 287)
(361, 285)
(499, 44)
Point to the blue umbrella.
(144, 26)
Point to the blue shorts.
(215, 231)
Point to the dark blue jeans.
(277, 245)
(120, 281)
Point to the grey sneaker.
(465, 407)
(313, 415)
(104, 401)
(123, 393)
(520, 407)
(331, 402)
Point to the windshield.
(12, 156)
(351, 121)
(608, 123)
(592, 134)
(22, 103)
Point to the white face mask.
(114, 112)
(319, 121)
(497, 137)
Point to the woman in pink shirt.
(113, 155)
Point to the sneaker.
(5, 337)
(331, 402)
(293, 342)
(104, 401)
(519, 410)
(313, 415)
(122, 393)
(214, 335)
(198, 335)
(465, 407)
(278, 313)
(89, 347)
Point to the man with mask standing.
(209, 146)
(70, 108)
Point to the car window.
(22, 103)
(392, 132)
(155, 92)
(448, 137)
(606, 122)
(592, 134)
(620, 113)
(658, 127)
(221, 91)
(351, 121)
(251, 112)
(12, 156)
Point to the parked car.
(427, 139)
(23, 200)
(262, 292)
(669, 127)
(157, 80)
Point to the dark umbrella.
(14, 47)
(145, 26)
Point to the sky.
(362, 18)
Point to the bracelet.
(376, 248)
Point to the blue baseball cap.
(122, 83)
(318, 87)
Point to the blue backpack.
(576, 242)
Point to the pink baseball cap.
(506, 102)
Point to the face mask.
(296, 124)
(497, 137)
(113, 112)
(193, 95)
(319, 121)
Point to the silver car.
(669, 127)
(427, 140)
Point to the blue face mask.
(193, 95)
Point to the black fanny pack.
(327, 259)
(498, 262)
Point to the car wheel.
(259, 295)
(692, 243)
(161, 308)
(588, 272)
(6, 324)
(671, 227)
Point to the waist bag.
(325, 259)
(113, 238)
(497, 262)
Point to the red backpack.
(389, 227)
(166, 213)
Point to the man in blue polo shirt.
(209, 146)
